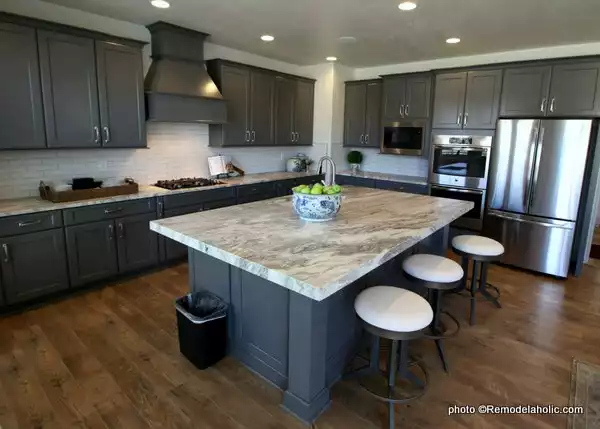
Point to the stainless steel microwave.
(404, 137)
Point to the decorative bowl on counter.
(317, 208)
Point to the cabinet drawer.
(411, 188)
(355, 181)
(23, 224)
(108, 211)
(217, 204)
(180, 211)
(198, 197)
(265, 189)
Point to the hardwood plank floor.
(109, 359)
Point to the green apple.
(330, 191)
(316, 190)
(337, 188)
(305, 190)
(318, 185)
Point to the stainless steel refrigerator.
(536, 177)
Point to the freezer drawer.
(536, 244)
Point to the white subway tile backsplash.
(174, 150)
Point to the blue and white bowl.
(317, 208)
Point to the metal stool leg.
(464, 262)
(392, 369)
(436, 304)
(483, 285)
(473, 291)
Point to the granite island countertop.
(314, 259)
(19, 206)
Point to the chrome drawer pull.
(23, 224)
(110, 211)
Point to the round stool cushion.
(393, 309)
(433, 268)
(476, 245)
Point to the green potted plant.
(354, 159)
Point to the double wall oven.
(459, 170)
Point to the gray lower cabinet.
(33, 265)
(410, 188)
(69, 88)
(137, 245)
(362, 114)
(121, 95)
(92, 252)
(256, 192)
(21, 111)
(174, 250)
(2, 294)
(525, 91)
(575, 90)
(355, 181)
(449, 101)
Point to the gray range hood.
(178, 87)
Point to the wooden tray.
(86, 194)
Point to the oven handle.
(466, 148)
(465, 191)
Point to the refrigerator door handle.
(561, 225)
(536, 169)
(527, 176)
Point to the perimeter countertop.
(314, 259)
(386, 176)
(12, 207)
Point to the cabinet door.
(304, 106)
(137, 245)
(525, 92)
(354, 114)
(449, 102)
(69, 89)
(394, 93)
(121, 95)
(418, 97)
(262, 89)
(92, 252)
(373, 115)
(21, 112)
(483, 99)
(285, 95)
(173, 250)
(33, 265)
(235, 87)
(575, 90)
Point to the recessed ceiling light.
(407, 5)
(267, 38)
(453, 40)
(161, 4)
(331, 58)
(347, 39)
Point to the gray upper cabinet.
(362, 114)
(394, 93)
(262, 90)
(467, 100)
(21, 112)
(449, 102)
(483, 99)
(91, 251)
(406, 97)
(525, 91)
(285, 97)
(33, 265)
(69, 88)
(121, 95)
(304, 106)
(137, 245)
(264, 108)
(575, 90)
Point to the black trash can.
(202, 326)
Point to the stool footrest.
(408, 387)
(441, 334)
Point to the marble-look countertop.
(314, 259)
(12, 207)
(386, 176)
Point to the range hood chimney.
(178, 87)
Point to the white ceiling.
(306, 31)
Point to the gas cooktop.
(187, 182)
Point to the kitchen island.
(292, 284)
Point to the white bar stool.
(399, 315)
(437, 274)
(482, 250)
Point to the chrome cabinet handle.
(106, 134)
(293, 137)
(253, 136)
(297, 137)
(362, 139)
(402, 110)
(247, 136)
(5, 250)
(161, 209)
(543, 105)
(121, 230)
(466, 119)
(29, 223)
(110, 211)
(110, 232)
(406, 110)
(552, 104)
(366, 139)
(96, 135)
(459, 120)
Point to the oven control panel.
(460, 140)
